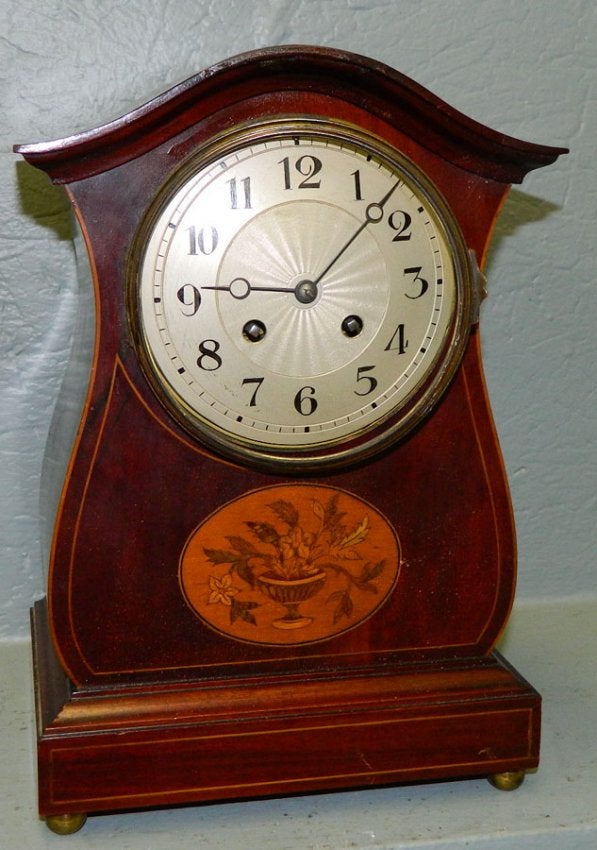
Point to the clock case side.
(86, 725)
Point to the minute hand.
(373, 213)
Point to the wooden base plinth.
(126, 748)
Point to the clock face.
(302, 294)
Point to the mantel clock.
(284, 549)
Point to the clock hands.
(373, 214)
(241, 288)
(306, 290)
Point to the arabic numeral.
(190, 297)
(398, 341)
(305, 402)
(209, 360)
(400, 221)
(415, 271)
(244, 201)
(203, 240)
(357, 185)
(307, 166)
(257, 383)
(368, 382)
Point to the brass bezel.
(395, 424)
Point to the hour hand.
(241, 288)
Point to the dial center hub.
(305, 291)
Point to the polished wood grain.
(139, 701)
(164, 745)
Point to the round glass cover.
(302, 294)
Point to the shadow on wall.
(44, 202)
(519, 210)
(69, 331)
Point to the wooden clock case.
(139, 703)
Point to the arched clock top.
(389, 95)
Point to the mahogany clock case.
(144, 701)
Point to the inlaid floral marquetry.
(290, 564)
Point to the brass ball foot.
(508, 781)
(66, 824)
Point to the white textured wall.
(525, 67)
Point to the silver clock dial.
(298, 288)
